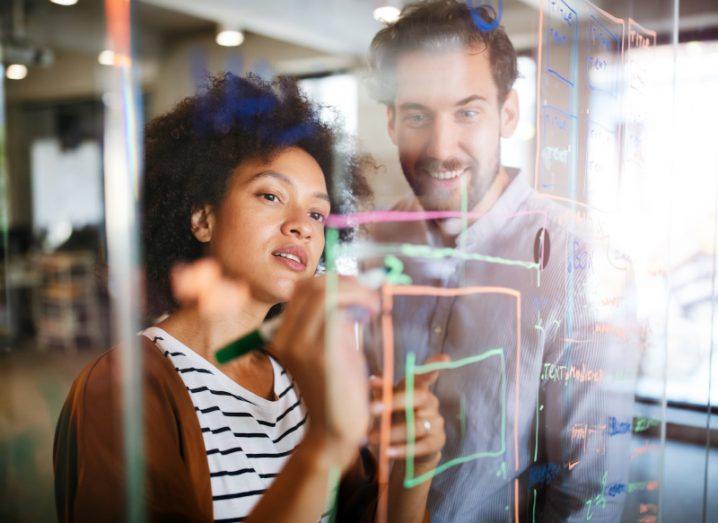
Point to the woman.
(239, 174)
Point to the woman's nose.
(297, 225)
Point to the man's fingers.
(420, 399)
(398, 433)
(427, 379)
(423, 447)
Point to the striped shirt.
(248, 439)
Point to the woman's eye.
(317, 216)
(270, 197)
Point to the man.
(532, 402)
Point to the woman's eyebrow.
(273, 174)
(288, 180)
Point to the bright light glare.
(64, 2)
(229, 38)
(106, 57)
(16, 72)
(387, 14)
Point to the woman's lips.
(292, 264)
(292, 257)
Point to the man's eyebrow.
(469, 99)
(409, 106)
(288, 180)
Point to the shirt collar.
(505, 207)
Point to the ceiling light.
(227, 37)
(387, 14)
(16, 71)
(106, 57)
(64, 2)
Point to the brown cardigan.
(88, 450)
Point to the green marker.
(255, 340)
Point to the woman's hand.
(428, 423)
(219, 301)
(330, 373)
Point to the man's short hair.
(434, 25)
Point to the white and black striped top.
(248, 439)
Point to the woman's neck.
(206, 335)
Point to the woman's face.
(269, 229)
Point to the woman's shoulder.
(102, 378)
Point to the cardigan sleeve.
(88, 449)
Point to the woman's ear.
(202, 223)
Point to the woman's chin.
(280, 291)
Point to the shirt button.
(437, 329)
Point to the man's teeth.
(445, 175)
(289, 256)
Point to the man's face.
(447, 123)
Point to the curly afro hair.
(191, 152)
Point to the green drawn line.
(536, 430)
(464, 207)
(442, 365)
(462, 419)
(410, 428)
(424, 251)
(464, 227)
(412, 369)
(331, 243)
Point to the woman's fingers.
(202, 284)
(304, 317)
(189, 280)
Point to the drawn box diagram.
(557, 144)
(561, 41)
(604, 49)
(602, 166)
(639, 42)
(638, 39)
(412, 370)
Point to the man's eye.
(317, 216)
(416, 119)
(270, 197)
(468, 114)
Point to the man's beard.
(481, 176)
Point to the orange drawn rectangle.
(388, 293)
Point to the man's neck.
(448, 230)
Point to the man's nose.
(443, 141)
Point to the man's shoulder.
(564, 222)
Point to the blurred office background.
(56, 299)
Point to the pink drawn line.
(359, 218)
